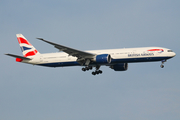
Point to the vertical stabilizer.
(26, 47)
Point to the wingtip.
(40, 38)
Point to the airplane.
(116, 59)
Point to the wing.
(72, 52)
(17, 56)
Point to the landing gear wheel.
(97, 71)
(93, 73)
(83, 69)
(162, 66)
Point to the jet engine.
(120, 67)
(102, 59)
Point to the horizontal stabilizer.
(17, 56)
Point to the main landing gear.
(97, 71)
(87, 68)
(162, 66)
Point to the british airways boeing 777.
(116, 59)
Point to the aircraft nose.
(174, 54)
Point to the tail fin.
(26, 47)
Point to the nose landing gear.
(162, 66)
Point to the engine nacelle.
(102, 59)
(120, 67)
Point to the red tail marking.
(31, 53)
(19, 60)
(22, 40)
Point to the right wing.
(71, 51)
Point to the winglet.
(40, 38)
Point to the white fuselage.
(116, 59)
(126, 55)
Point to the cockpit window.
(170, 51)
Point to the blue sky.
(143, 92)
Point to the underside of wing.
(72, 52)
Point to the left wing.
(72, 52)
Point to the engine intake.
(120, 67)
(103, 59)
